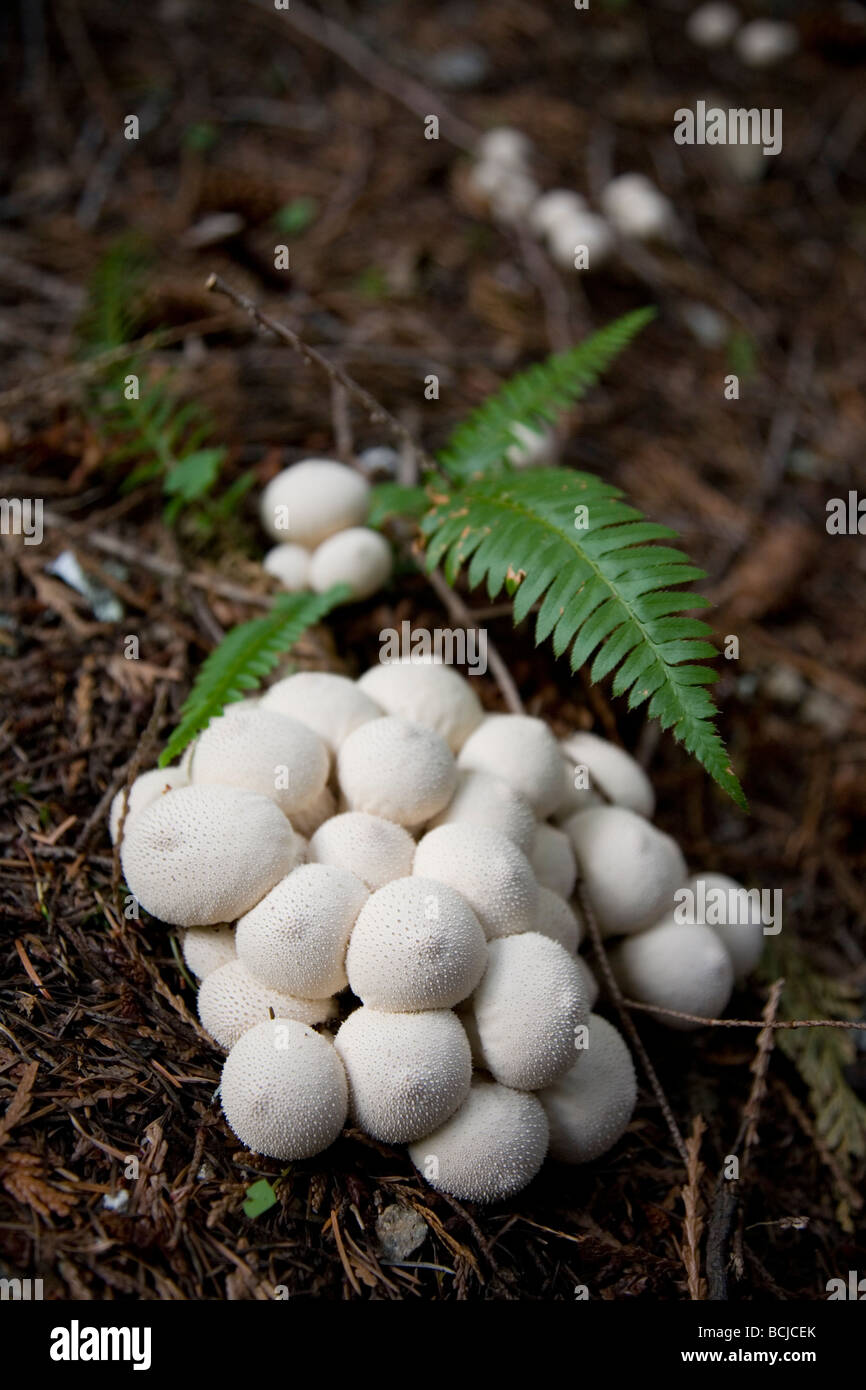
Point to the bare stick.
(775, 1024)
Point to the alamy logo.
(734, 906)
(738, 126)
(22, 517)
(441, 647)
(854, 1289)
(20, 1289)
(76, 1343)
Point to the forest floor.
(396, 274)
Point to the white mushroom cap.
(533, 447)
(590, 983)
(284, 1090)
(630, 869)
(319, 497)
(144, 790)
(675, 967)
(332, 706)
(481, 799)
(522, 752)
(491, 1147)
(558, 920)
(552, 860)
(583, 228)
(263, 752)
(396, 769)
(295, 939)
(559, 204)
(417, 944)
(504, 146)
(407, 1072)
(374, 850)
(207, 948)
(589, 1108)
(309, 818)
(231, 1000)
(733, 916)
(526, 1009)
(513, 194)
(764, 42)
(428, 693)
(636, 207)
(713, 24)
(203, 855)
(357, 556)
(488, 869)
(613, 775)
(290, 564)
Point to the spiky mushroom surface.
(489, 1149)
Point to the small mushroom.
(263, 752)
(558, 205)
(332, 706)
(629, 869)
(713, 25)
(357, 556)
(532, 447)
(589, 1108)
(522, 752)
(738, 923)
(582, 229)
(481, 799)
(558, 920)
(489, 1149)
(295, 939)
(685, 968)
(590, 983)
(375, 850)
(637, 209)
(417, 944)
(612, 774)
(504, 146)
(284, 1090)
(203, 855)
(207, 948)
(312, 500)
(231, 1001)
(407, 1072)
(394, 768)
(308, 819)
(487, 869)
(144, 790)
(526, 1008)
(290, 564)
(763, 43)
(552, 860)
(427, 693)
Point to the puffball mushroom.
(552, 860)
(427, 693)
(373, 849)
(512, 195)
(675, 967)
(481, 799)
(765, 42)
(295, 939)
(590, 983)
(521, 751)
(309, 818)
(395, 768)
(357, 556)
(629, 868)
(417, 944)
(503, 145)
(290, 564)
(532, 448)
(231, 1000)
(144, 790)
(491, 1147)
(557, 919)
(613, 776)
(559, 204)
(526, 1008)
(636, 208)
(589, 1108)
(207, 854)
(712, 25)
(263, 752)
(312, 500)
(733, 915)
(407, 1072)
(284, 1090)
(332, 706)
(207, 948)
(582, 229)
(487, 869)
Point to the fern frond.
(574, 548)
(396, 499)
(536, 396)
(244, 656)
(111, 315)
(820, 1055)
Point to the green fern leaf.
(535, 397)
(396, 499)
(604, 592)
(244, 656)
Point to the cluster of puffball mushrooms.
(377, 882)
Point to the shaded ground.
(397, 276)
